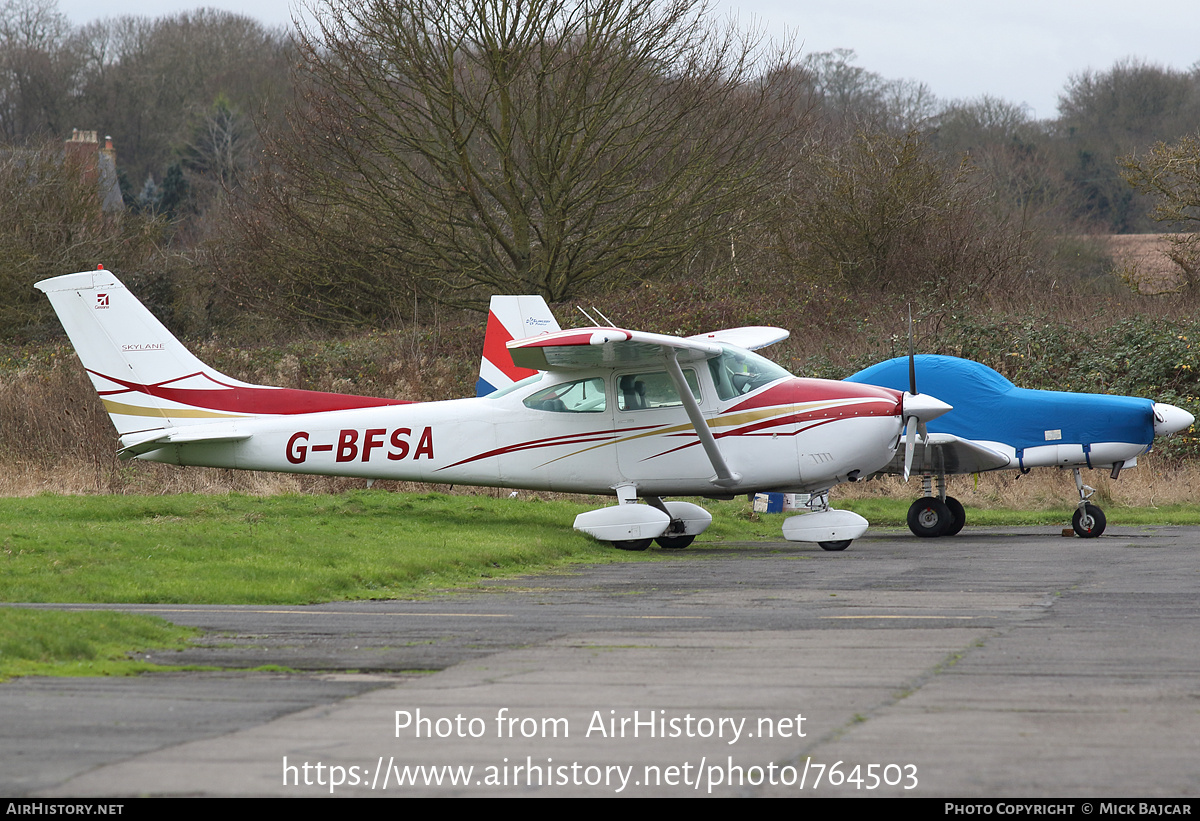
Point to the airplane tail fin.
(510, 317)
(147, 379)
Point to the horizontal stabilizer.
(137, 444)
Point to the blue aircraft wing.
(949, 454)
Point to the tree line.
(397, 154)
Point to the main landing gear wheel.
(632, 544)
(1088, 523)
(841, 544)
(674, 542)
(929, 517)
(958, 516)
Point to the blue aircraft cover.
(988, 407)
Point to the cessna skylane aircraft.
(602, 411)
(995, 425)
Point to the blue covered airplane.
(995, 425)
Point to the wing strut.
(725, 477)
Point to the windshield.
(738, 371)
(527, 381)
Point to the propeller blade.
(910, 442)
(912, 357)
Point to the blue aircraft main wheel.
(958, 516)
(1091, 525)
(929, 517)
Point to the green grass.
(288, 549)
(301, 549)
(54, 642)
(297, 549)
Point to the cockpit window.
(581, 396)
(643, 391)
(738, 371)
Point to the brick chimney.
(83, 151)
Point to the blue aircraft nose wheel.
(1089, 522)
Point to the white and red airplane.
(599, 410)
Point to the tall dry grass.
(1153, 482)
(56, 437)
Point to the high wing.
(615, 347)
(947, 453)
(584, 348)
(751, 337)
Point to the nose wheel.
(1088, 521)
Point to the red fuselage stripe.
(251, 400)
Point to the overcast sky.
(1023, 51)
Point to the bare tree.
(885, 213)
(1171, 174)
(152, 83)
(51, 221)
(479, 146)
(1120, 111)
(855, 99)
(38, 69)
(218, 150)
